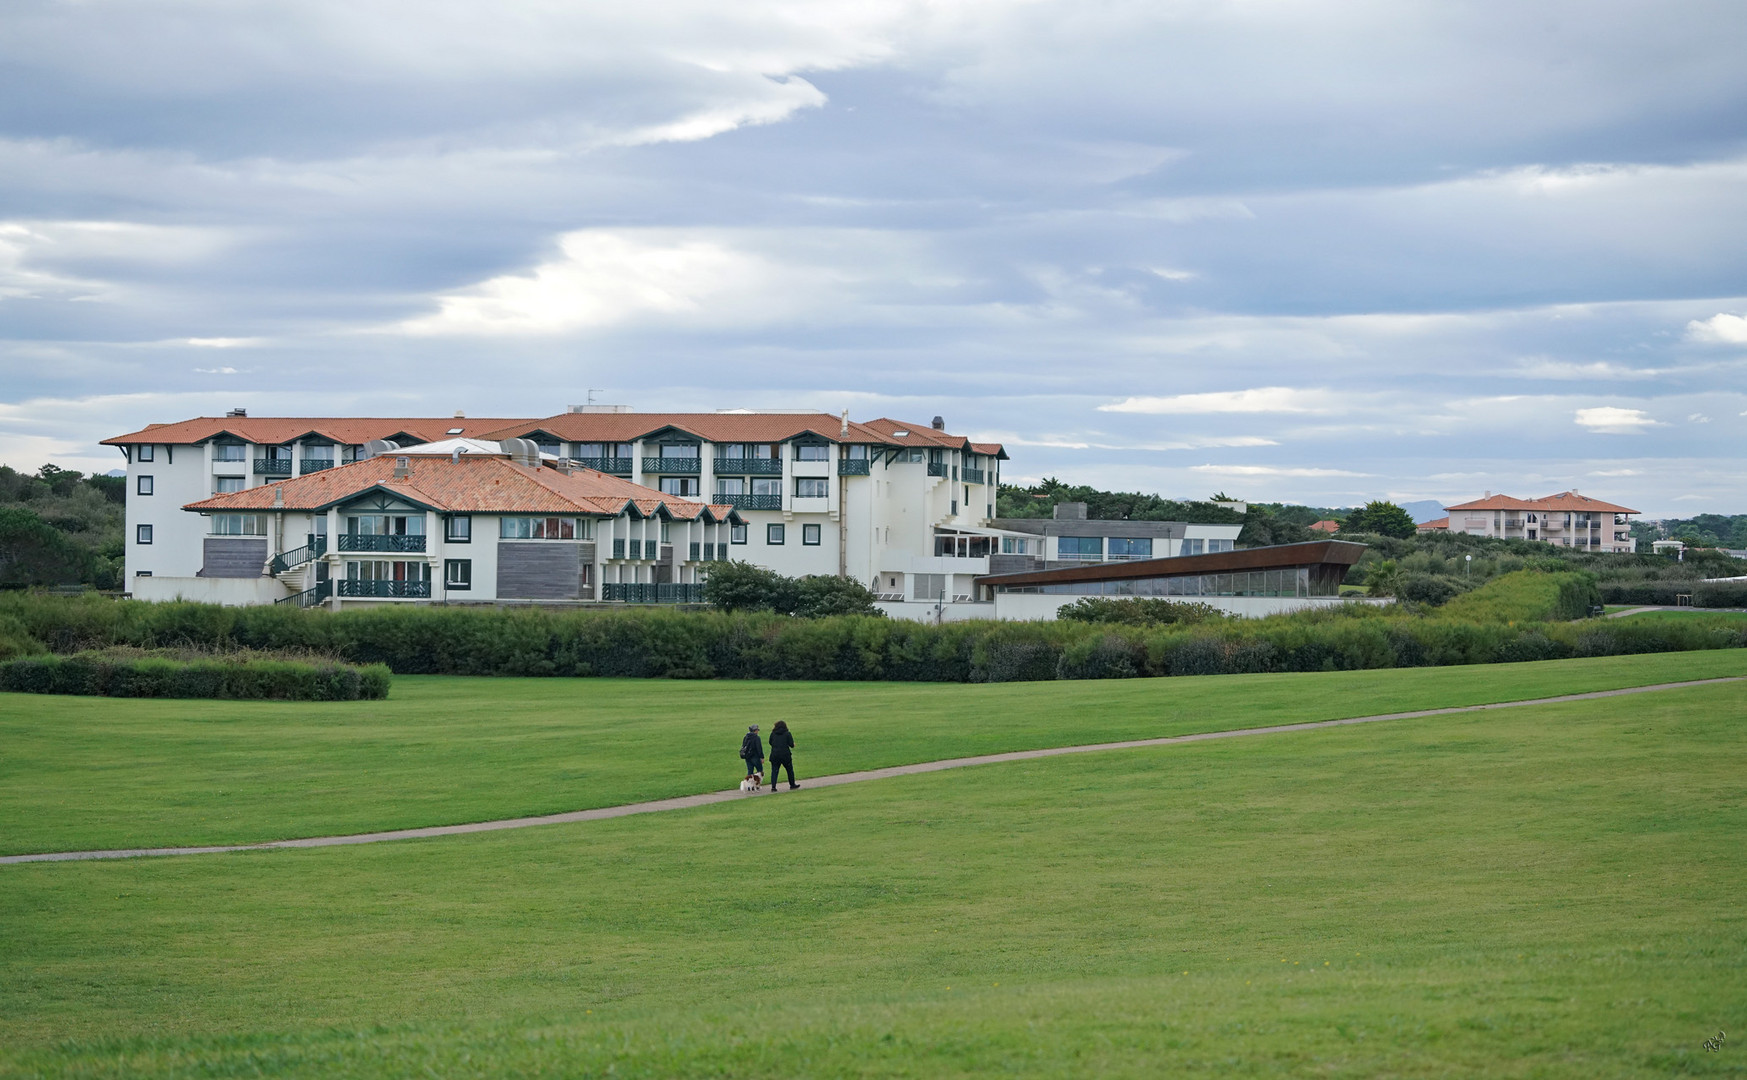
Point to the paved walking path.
(710, 798)
(1671, 607)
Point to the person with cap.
(752, 752)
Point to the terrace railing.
(618, 466)
(652, 593)
(852, 466)
(748, 466)
(315, 464)
(272, 466)
(937, 468)
(393, 542)
(673, 466)
(972, 476)
(752, 502)
(385, 590)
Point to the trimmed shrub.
(1705, 594)
(144, 676)
(1528, 596)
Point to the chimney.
(1070, 511)
(278, 495)
(459, 415)
(1489, 493)
(843, 432)
(939, 423)
(236, 413)
(402, 468)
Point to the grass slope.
(81, 774)
(1541, 892)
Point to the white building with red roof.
(1568, 519)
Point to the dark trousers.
(754, 765)
(777, 764)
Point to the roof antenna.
(591, 393)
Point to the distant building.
(1326, 525)
(1567, 519)
(1435, 525)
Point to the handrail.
(309, 597)
(734, 466)
(285, 560)
(382, 542)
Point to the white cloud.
(1270, 470)
(40, 259)
(222, 342)
(1617, 472)
(215, 371)
(1266, 399)
(1698, 418)
(1721, 328)
(1610, 420)
(1541, 367)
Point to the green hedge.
(661, 643)
(102, 675)
(1528, 596)
(1711, 594)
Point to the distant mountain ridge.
(1424, 510)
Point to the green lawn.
(1726, 618)
(1551, 891)
(81, 773)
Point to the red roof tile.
(1565, 500)
(1326, 525)
(471, 485)
(275, 430)
(1433, 525)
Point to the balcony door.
(386, 524)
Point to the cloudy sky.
(1299, 250)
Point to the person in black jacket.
(782, 753)
(752, 752)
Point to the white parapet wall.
(1044, 606)
(929, 611)
(232, 592)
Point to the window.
(913, 454)
(228, 451)
(930, 586)
(810, 535)
(1193, 547)
(811, 487)
(765, 451)
(239, 525)
(678, 450)
(858, 453)
(386, 525)
(143, 486)
(666, 532)
(459, 529)
(1083, 548)
(142, 573)
(226, 485)
(533, 528)
(812, 452)
(1124, 548)
(146, 451)
(1014, 545)
(730, 486)
(1220, 545)
(683, 486)
(773, 534)
(457, 574)
(737, 534)
(767, 487)
(551, 449)
(142, 534)
(318, 453)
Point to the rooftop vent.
(1070, 511)
(459, 415)
(940, 423)
(376, 448)
(402, 468)
(522, 451)
(237, 412)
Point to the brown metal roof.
(1279, 556)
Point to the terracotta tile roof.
(1326, 525)
(1565, 500)
(274, 430)
(993, 449)
(1433, 525)
(711, 427)
(471, 485)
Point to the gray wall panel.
(233, 556)
(538, 571)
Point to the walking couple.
(782, 753)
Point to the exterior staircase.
(296, 570)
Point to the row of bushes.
(113, 675)
(1705, 594)
(658, 643)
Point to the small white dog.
(752, 782)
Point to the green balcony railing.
(697, 552)
(314, 464)
(285, 560)
(272, 466)
(618, 549)
(748, 466)
(647, 592)
(751, 502)
(385, 590)
(309, 597)
(852, 467)
(618, 466)
(673, 466)
(972, 476)
(357, 542)
(937, 468)
(636, 549)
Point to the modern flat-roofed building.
(1567, 519)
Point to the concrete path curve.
(710, 798)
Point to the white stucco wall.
(233, 592)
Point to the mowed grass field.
(1551, 891)
(83, 773)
